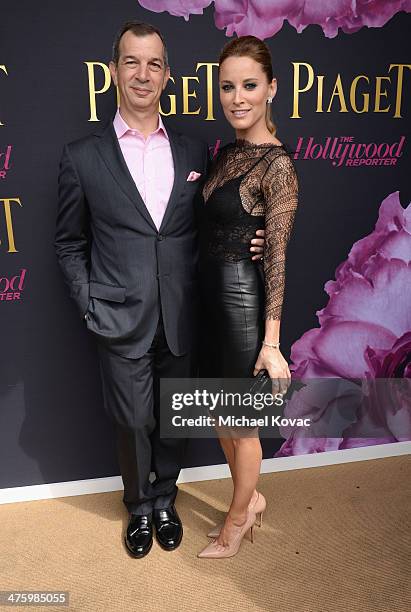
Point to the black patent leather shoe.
(169, 530)
(139, 536)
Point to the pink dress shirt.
(150, 162)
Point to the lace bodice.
(251, 187)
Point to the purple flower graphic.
(394, 363)
(264, 18)
(178, 8)
(364, 333)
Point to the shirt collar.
(121, 127)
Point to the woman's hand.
(258, 245)
(271, 359)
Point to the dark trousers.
(131, 398)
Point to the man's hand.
(258, 245)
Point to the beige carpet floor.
(334, 539)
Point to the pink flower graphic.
(364, 333)
(178, 8)
(264, 18)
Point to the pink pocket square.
(193, 176)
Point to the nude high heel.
(257, 507)
(215, 551)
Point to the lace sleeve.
(280, 190)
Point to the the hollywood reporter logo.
(12, 288)
(5, 163)
(345, 151)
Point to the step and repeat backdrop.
(343, 107)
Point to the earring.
(269, 100)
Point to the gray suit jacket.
(120, 269)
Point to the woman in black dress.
(252, 184)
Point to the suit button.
(160, 237)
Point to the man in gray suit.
(126, 241)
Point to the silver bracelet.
(271, 345)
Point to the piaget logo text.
(7, 207)
(197, 94)
(3, 71)
(183, 100)
(363, 94)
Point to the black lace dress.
(249, 187)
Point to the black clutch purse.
(261, 384)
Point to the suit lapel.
(179, 154)
(110, 151)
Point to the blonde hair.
(256, 49)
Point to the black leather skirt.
(232, 321)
